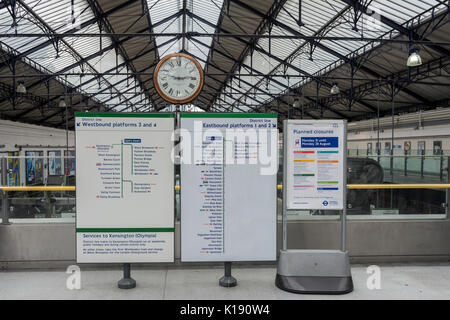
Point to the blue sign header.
(320, 142)
(132, 140)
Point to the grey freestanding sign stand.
(314, 271)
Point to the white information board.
(228, 187)
(315, 164)
(125, 187)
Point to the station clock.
(178, 78)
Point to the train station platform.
(405, 281)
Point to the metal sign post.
(284, 214)
(344, 195)
(314, 271)
(227, 280)
(126, 282)
(4, 194)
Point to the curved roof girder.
(123, 80)
(323, 47)
(263, 75)
(99, 53)
(98, 76)
(98, 12)
(281, 61)
(394, 25)
(50, 30)
(73, 30)
(401, 79)
(275, 8)
(299, 48)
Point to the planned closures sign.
(228, 187)
(315, 164)
(125, 188)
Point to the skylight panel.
(208, 10)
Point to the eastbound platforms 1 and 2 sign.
(315, 164)
(228, 186)
(125, 187)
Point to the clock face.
(178, 78)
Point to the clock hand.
(176, 78)
(187, 77)
(183, 78)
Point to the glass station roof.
(160, 10)
(59, 57)
(331, 18)
(94, 67)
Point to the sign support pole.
(284, 205)
(126, 282)
(227, 280)
(4, 194)
(344, 195)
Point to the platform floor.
(423, 281)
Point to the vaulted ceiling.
(258, 55)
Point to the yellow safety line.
(399, 186)
(39, 188)
(48, 188)
(392, 186)
(279, 187)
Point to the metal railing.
(4, 188)
(409, 164)
(279, 187)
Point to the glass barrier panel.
(399, 163)
(387, 203)
(414, 165)
(41, 204)
(432, 166)
(367, 204)
(40, 169)
(383, 204)
(385, 162)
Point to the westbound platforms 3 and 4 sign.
(315, 164)
(125, 187)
